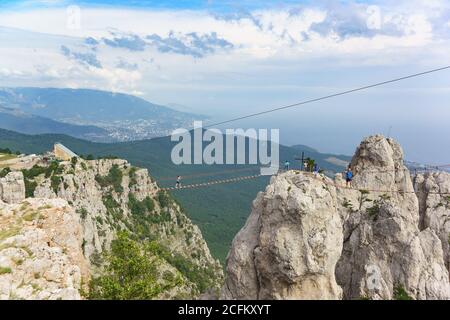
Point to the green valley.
(219, 210)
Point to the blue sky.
(169, 4)
(227, 58)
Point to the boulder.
(12, 187)
(41, 251)
(290, 244)
(433, 191)
(384, 250)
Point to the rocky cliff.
(12, 188)
(105, 197)
(40, 251)
(433, 191)
(310, 237)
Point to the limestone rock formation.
(40, 251)
(384, 250)
(433, 191)
(12, 188)
(308, 236)
(110, 195)
(290, 244)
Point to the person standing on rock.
(316, 169)
(305, 166)
(286, 165)
(349, 177)
(178, 184)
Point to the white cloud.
(264, 44)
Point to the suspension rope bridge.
(211, 183)
(208, 174)
(315, 176)
(238, 179)
(426, 168)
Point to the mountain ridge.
(12, 119)
(123, 116)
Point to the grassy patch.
(29, 175)
(24, 206)
(6, 246)
(35, 287)
(203, 278)
(163, 199)
(74, 162)
(55, 182)
(7, 151)
(96, 259)
(7, 233)
(30, 187)
(114, 179)
(385, 197)
(401, 294)
(82, 212)
(133, 178)
(5, 270)
(347, 204)
(4, 172)
(27, 250)
(112, 207)
(374, 210)
(30, 216)
(5, 157)
(46, 207)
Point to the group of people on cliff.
(307, 167)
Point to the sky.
(229, 58)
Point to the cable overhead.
(329, 96)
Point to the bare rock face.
(289, 246)
(40, 251)
(433, 191)
(12, 188)
(384, 250)
(102, 192)
(309, 237)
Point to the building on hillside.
(62, 152)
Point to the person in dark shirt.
(349, 177)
